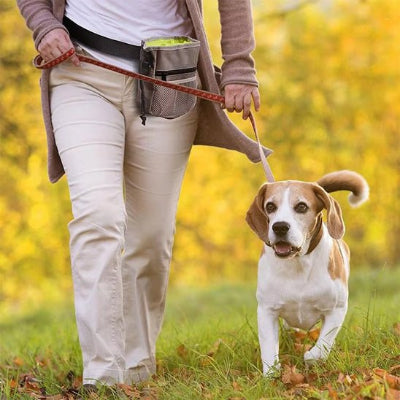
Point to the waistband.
(101, 43)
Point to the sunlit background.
(329, 75)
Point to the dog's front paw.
(315, 354)
(271, 371)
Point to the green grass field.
(208, 349)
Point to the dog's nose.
(280, 228)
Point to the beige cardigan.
(237, 43)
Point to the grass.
(208, 348)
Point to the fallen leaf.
(314, 333)
(130, 391)
(215, 347)
(394, 368)
(75, 381)
(393, 381)
(205, 394)
(29, 383)
(182, 351)
(42, 362)
(332, 392)
(396, 328)
(344, 379)
(393, 394)
(236, 386)
(19, 362)
(206, 360)
(290, 376)
(299, 335)
(149, 393)
(301, 348)
(13, 384)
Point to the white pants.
(124, 181)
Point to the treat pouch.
(172, 59)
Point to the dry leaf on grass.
(130, 391)
(290, 376)
(236, 386)
(18, 362)
(29, 384)
(301, 348)
(332, 392)
(395, 368)
(301, 336)
(396, 328)
(215, 347)
(392, 381)
(182, 351)
(42, 362)
(393, 394)
(344, 379)
(149, 393)
(314, 333)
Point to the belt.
(101, 43)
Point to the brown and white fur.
(303, 270)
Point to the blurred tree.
(33, 242)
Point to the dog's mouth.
(285, 249)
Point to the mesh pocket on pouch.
(170, 103)
(176, 64)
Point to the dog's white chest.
(300, 294)
(302, 306)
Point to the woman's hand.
(54, 44)
(239, 97)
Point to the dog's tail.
(346, 180)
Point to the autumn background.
(329, 75)
(329, 79)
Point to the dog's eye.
(301, 208)
(270, 208)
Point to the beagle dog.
(303, 270)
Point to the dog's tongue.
(282, 248)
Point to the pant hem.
(106, 377)
(139, 374)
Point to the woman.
(124, 178)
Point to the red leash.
(40, 64)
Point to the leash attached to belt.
(39, 63)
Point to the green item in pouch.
(165, 42)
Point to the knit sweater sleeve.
(237, 42)
(39, 17)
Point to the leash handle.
(39, 63)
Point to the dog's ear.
(335, 223)
(256, 216)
